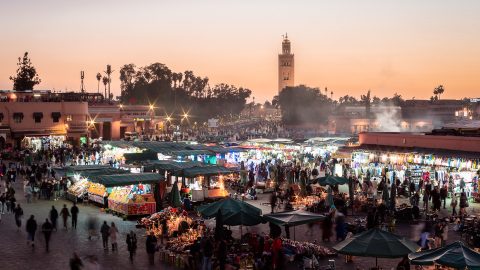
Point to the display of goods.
(306, 248)
(134, 209)
(132, 194)
(174, 219)
(97, 189)
(79, 188)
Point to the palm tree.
(174, 79)
(105, 82)
(99, 78)
(439, 90)
(179, 77)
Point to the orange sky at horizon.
(408, 47)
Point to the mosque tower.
(286, 67)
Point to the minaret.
(286, 67)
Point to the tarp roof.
(106, 171)
(116, 180)
(204, 171)
(142, 156)
(71, 170)
(119, 144)
(170, 165)
(190, 153)
(161, 147)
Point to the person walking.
(47, 229)
(3, 203)
(132, 244)
(273, 201)
(75, 262)
(74, 211)
(444, 195)
(18, 211)
(31, 228)
(164, 228)
(105, 231)
(463, 203)
(113, 236)
(207, 248)
(65, 214)
(151, 246)
(222, 254)
(453, 204)
(54, 217)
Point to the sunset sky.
(349, 46)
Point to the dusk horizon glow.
(407, 47)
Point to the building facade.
(40, 119)
(286, 66)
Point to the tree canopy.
(26, 77)
(180, 92)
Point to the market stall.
(77, 177)
(205, 181)
(455, 169)
(126, 194)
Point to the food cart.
(125, 194)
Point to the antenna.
(82, 76)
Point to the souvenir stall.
(125, 194)
(415, 167)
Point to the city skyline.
(349, 47)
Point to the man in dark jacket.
(105, 232)
(54, 217)
(47, 228)
(444, 195)
(31, 229)
(74, 211)
(18, 216)
(151, 246)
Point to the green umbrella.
(332, 180)
(376, 243)
(455, 255)
(175, 200)
(293, 218)
(234, 212)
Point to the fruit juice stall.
(126, 194)
(76, 177)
